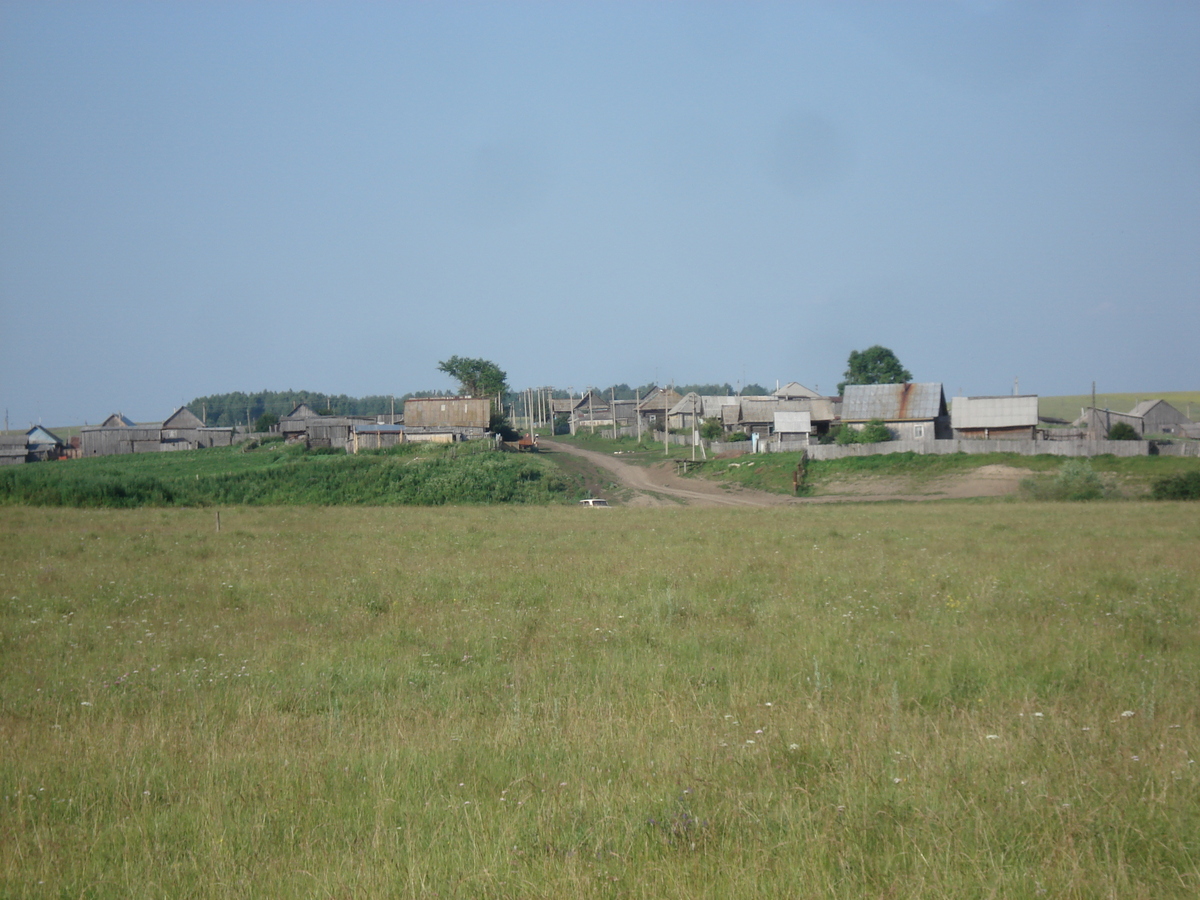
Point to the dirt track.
(659, 486)
(650, 481)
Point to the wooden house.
(911, 411)
(655, 406)
(693, 409)
(41, 444)
(995, 418)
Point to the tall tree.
(875, 365)
(475, 377)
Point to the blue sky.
(205, 197)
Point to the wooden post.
(218, 521)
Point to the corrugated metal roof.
(994, 412)
(893, 402)
(709, 406)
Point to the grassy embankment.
(929, 701)
(276, 474)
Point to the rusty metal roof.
(893, 402)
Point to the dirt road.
(659, 486)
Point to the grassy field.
(884, 701)
(1068, 407)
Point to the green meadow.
(903, 701)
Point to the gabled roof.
(893, 402)
(660, 398)
(794, 390)
(39, 435)
(994, 412)
(301, 411)
(116, 420)
(1143, 409)
(183, 418)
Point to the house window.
(918, 431)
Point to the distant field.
(1068, 407)
(859, 701)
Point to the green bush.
(874, 432)
(737, 437)
(1123, 431)
(1185, 486)
(1075, 480)
(711, 430)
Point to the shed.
(793, 426)
(12, 449)
(463, 417)
(995, 418)
(375, 437)
(1160, 417)
(914, 411)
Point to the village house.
(693, 409)
(911, 411)
(654, 407)
(794, 390)
(41, 445)
(995, 418)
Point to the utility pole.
(1092, 417)
(637, 413)
(612, 393)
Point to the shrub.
(1185, 486)
(874, 432)
(737, 436)
(1075, 480)
(1123, 431)
(711, 430)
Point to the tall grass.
(470, 702)
(275, 474)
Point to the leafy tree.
(475, 377)
(875, 365)
(1123, 431)
(754, 390)
(265, 421)
(499, 424)
(710, 429)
